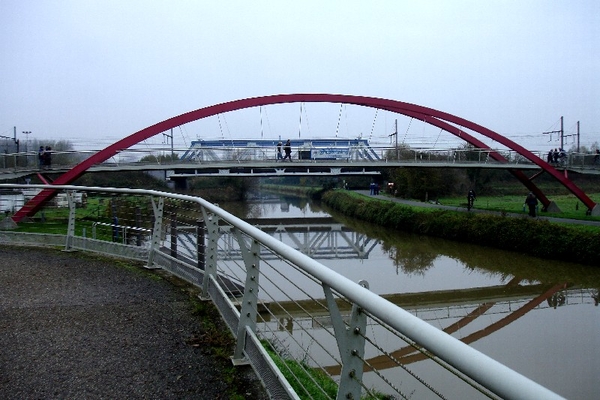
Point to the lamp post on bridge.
(26, 133)
(396, 134)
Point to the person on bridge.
(279, 156)
(41, 157)
(288, 150)
(47, 157)
(531, 202)
(597, 157)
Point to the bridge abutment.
(553, 208)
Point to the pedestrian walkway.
(79, 327)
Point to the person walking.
(531, 202)
(41, 157)
(470, 199)
(288, 150)
(279, 156)
(48, 157)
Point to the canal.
(538, 317)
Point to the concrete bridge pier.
(180, 183)
(553, 207)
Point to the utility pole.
(561, 131)
(578, 136)
(15, 138)
(575, 134)
(396, 134)
(170, 137)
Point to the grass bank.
(570, 206)
(525, 235)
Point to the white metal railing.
(276, 299)
(161, 156)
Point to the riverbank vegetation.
(539, 238)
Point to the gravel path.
(74, 327)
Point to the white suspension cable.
(300, 123)
(261, 123)
(407, 128)
(337, 129)
(373, 126)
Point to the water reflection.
(539, 317)
(267, 205)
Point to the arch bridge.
(440, 119)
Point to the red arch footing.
(428, 115)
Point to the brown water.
(541, 316)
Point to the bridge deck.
(273, 168)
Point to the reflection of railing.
(240, 287)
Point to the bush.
(539, 238)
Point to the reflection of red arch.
(431, 116)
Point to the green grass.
(309, 382)
(570, 206)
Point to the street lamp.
(26, 133)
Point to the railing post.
(71, 223)
(200, 244)
(138, 224)
(212, 225)
(248, 310)
(351, 344)
(174, 235)
(156, 230)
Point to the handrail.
(488, 372)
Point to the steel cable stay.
(307, 120)
(281, 348)
(304, 331)
(438, 138)
(406, 132)
(300, 121)
(306, 312)
(387, 381)
(373, 124)
(184, 136)
(277, 345)
(285, 293)
(399, 364)
(396, 361)
(262, 134)
(282, 345)
(337, 128)
(270, 129)
(429, 355)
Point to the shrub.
(539, 238)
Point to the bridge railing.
(307, 331)
(162, 157)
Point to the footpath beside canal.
(77, 326)
(476, 210)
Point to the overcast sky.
(95, 71)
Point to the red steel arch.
(428, 115)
